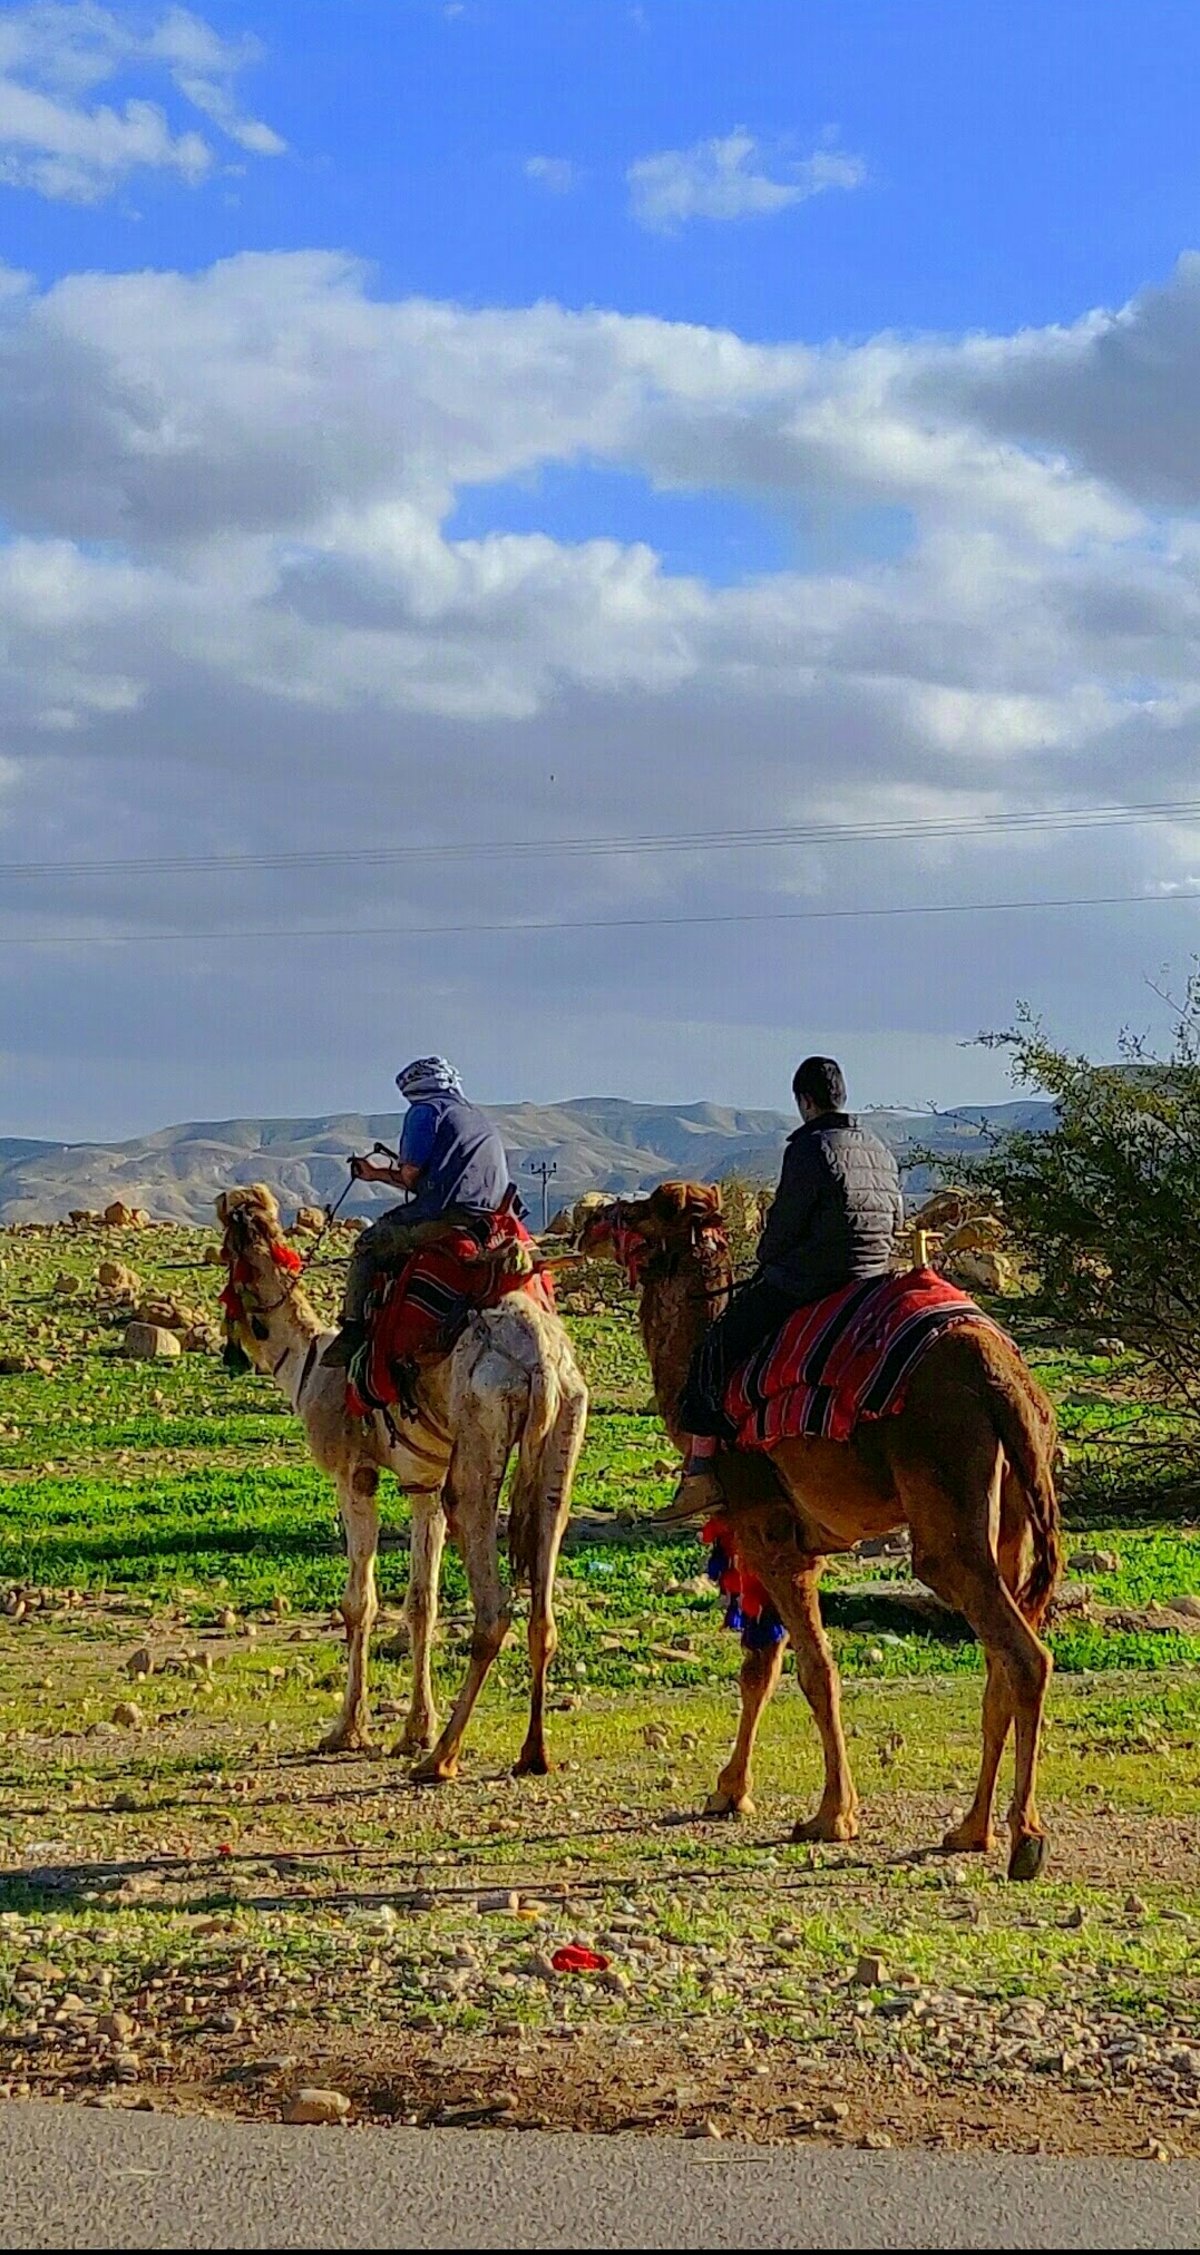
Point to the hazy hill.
(594, 1142)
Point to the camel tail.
(1025, 1424)
(547, 1453)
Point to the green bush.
(1105, 1204)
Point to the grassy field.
(195, 1908)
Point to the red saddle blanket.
(845, 1358)
(417, 1314)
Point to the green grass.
(174, 1482)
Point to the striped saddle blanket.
(416, 1315)
(843, 1359)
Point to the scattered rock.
(1135, 1907)
(317, 2106)
(499, 1899)
(140, 1663)
(66, 1284)
(116, 1278)
(871, 1972)
(116, 2025)
(875, 2141)
(1113, 1347)
(150, 1342)
(129, 1715)
(1094, 1562)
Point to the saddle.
(416, 1313)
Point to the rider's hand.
(361, 1170)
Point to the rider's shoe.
(698, 1495)
(344, 1346)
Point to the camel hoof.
(965, 1840)
(721, 1804)
(825, 1828)
(1028, 1856)
(416, 1738)
(535, 1764)
(434, 1771)
(345, 1739)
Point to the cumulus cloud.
(1114, 394)
(726, 178)
(234, 616)
(557, 174)
(55, 139)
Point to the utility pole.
(544, 1170)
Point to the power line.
(599, 923)
(1028, 821)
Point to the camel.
(966, 1463)
(510, 1382)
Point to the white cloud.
(725, 178)
(232, 615)
(55, 140)
(557, 174)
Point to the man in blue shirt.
(453, 1165)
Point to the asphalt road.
(87, 2177)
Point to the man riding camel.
(834, 1221)
(453, 1164)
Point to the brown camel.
(966, 1464)
(511, 1382)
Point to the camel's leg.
(795, 1596)
(953, 1552)
(421, 1612)
(533, 1760)
(473, 1522)
(552, 1483)
(766, 1544)
(974, 1836)
(760, 1676)
(356, 1500)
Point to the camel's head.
(249, 1216)
(253, 1245)
(677, 1218)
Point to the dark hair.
(820, 1079)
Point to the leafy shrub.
(1105, 1204)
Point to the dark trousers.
(757, 1312)
(387, 1244)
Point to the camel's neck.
(291, 1327)
(681, 1294)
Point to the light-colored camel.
(966, 1463)
(511, 1382)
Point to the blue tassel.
(763, 1634)
(718, 1562)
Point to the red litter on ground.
(575, 1959)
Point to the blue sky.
(564, 419)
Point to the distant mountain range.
(593, 1143)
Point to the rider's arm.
(794, 1202)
